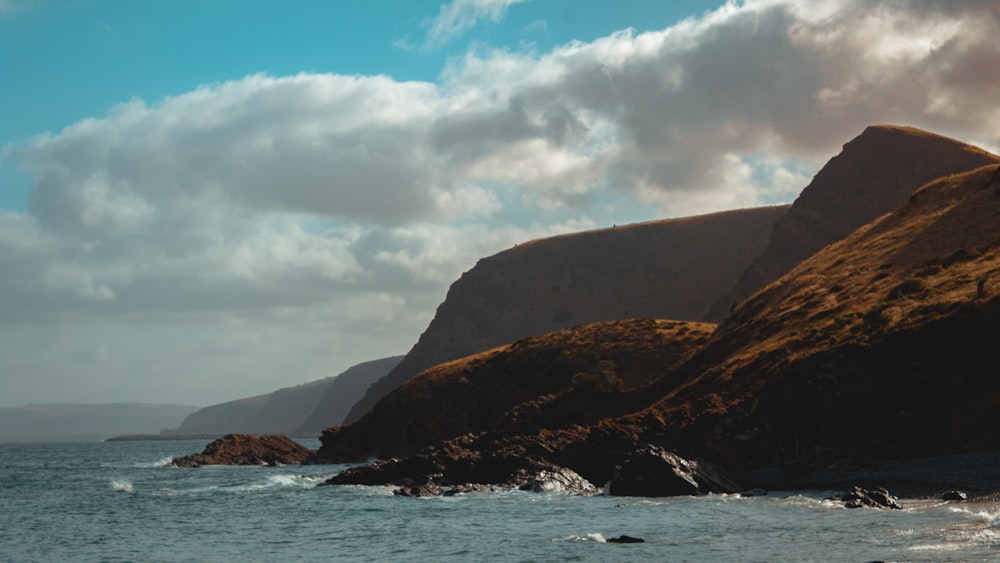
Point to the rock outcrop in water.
(452, 471)
(879, 346)
(654, 472)
(244, 449)
(858, 497)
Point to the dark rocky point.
(655, 472)
(432, 474)
(954, 495)
(625, 539)
(246, 449)
(869, 498)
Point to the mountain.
(881, 344)
(878, 350)
(879, 347)
(874, 174)
(671, 269)
(59, 422)
(291, 410)
(560, 375)
(346, 390)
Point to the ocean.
(121, 501)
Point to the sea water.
(122, 501)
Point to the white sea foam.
(936, 547)
(162, 462)
(594, 537)
(989, 519)
(279, 481)
(122, 486)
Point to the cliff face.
(881, 345)
(301, 410)
(664, 269)
(874, 174)
(343, 392)
(883, 342)
(562, 377)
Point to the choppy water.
(119, 501)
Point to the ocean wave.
(270, 483)
(162, 462)
(989, 519)
(595, 537)
(122, 485)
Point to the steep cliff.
(881, 343)
(564, 377)
(671, 269)
(880, 346)
(874, 174)
(343, 392)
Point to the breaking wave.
(122, 486)
(594, 537)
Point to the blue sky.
(201, 201)
(70, 60)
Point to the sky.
(202, 201)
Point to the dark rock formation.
(243, 449)
(670, 269)
(874, 174)
(954, 495)
(655, 472)
(558, 480)
(437, 472)
(573, 376)
(869, 498)
(625, 539)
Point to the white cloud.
(311, 221)
(458, 16)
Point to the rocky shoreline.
(649, 471)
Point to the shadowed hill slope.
(883, 342)
(874, 174)
(291, 410)
(343, 392)
(671, 269)
(557, 376)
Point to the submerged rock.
(954, 495)
(246, 449)
(421, 490)
(655, 472)
(559, 480)
(625, 539)
(869, 498)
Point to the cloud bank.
(272, 230)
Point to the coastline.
(975, 473)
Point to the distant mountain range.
(298, 411)
(67, 422)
